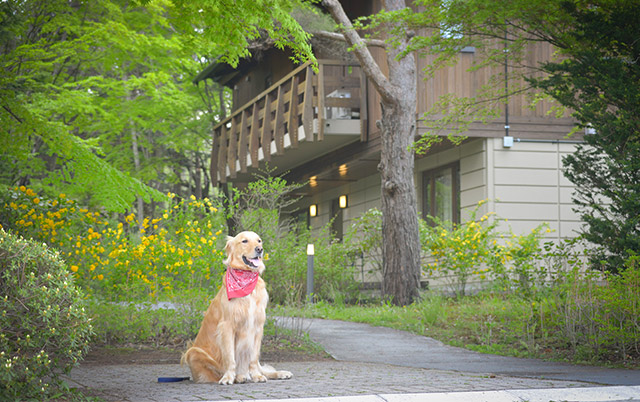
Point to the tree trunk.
(136, 163)
(400, 234)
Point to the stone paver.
(311, 379)
(375, 365)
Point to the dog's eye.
(245, 241)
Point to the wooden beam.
(254, 137)
(278, 128)
(307, 106)
(244, 141)
(265, 138)
(293, 111)
(321, 102)
(232, 151)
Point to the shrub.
(459, 250)
(45, 330)
(178, 251)
(599, 315)
(262, 208)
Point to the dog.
(227, 347)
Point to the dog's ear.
(229, 245)
(227, 249)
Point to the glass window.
(441, 193)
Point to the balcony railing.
(291, 111)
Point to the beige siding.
(530, 188)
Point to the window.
(441, 193)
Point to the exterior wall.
(529, 188)
(362, 196)
(523, 184)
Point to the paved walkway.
(375, 365)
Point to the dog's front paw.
(242, 378)
(228, 378)
(284, 375)
(257, 377)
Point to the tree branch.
(340, 37)
(369, 65)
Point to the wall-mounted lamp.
(342, 201)
(313, 210)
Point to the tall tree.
(87, 86)
(596, 77)
(600, 81)
(401, 246)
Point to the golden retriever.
(227, 347)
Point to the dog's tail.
(183, 358)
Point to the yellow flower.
(100, 277)
(23, 188)
(36, 200)
(74, 268)
(165, 216)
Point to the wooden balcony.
(303, 116)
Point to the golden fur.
(227, 348)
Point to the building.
(320, 127)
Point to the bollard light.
(310, 253)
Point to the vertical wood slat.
(364, 126)
(254, 136)
(278, 128)
(307, 106)
(213, 168)
(222, 155)
(293, 111)
(265, 138)
(321, 102)
(232, 152)
(244, 141)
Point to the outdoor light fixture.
(342, 201)
(313, 210)
(310, 253)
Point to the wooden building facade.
(320, 127)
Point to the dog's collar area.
(240, 282)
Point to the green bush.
(262, 207)
(45, 330)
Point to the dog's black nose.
(259, 250)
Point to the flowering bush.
(458, 251)
(176, 251)
(44, 327)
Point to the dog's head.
(244, 251)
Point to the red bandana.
(240, 282)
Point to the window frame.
(429, 197)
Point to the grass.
(487, 323)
